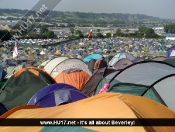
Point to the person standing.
(100, 63)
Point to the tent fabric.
(59, 97)
(99, 106)
(121, 64)
(53, 63)
(2, 73)
(72, 70)
(19, 89)
(170, 61)
(92, 56)
(171, 52)
(58, 52)
(128, 89)
(93, 82)
(139, 59)
(91, 65)
(69, 64)
(162, 90)
(166, 89)
(76, 78)
(138, 78)
(8, 113)
(49, 89)
(145, 73)
(12, 70)
(121, 56)
(105, 80)
(44, 64)
(159, 58)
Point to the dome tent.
(19, 89)
(92, 56)
(53, 63)
(105, 106)
(121, 56)
(69, 64)
(75, 77)
(55, 95)
(123, 63)
(171, 52)
(140, 79)
(159, 58)
(90, 87)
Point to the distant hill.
(88, 18)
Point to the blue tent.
(2, 73)
(120, 56)
(55, 95)
(92, 56)
(171, 52)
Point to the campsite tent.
(53, 63)
(121, 56)
(159, 58)
(123, 63)
(102, 106)
(43, 64)
(69, 64)
(91, 65)
(55, 95)
(139, 59)
(12, 69)
(165, 88)
(75, 77)
(140, 77)
(22, 86)
(93, 82)
(170, 61)
(171, 52)
(92, 56)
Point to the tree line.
(170, 28)
(44, 33)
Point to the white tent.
(42, 53)
(12, 69)
(43, 64)
(53, 63)
(69, 64)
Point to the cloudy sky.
(157, 8)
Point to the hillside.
(88, 18)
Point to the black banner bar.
(87, 122)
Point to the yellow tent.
(58, 52)
(105, 105)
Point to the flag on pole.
(90, 34)
(15, 51)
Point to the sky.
(156, 8)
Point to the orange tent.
(74, 77)
(105, 105)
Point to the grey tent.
(159, 58)
(90, 87)
(123, 63)
(139, 59)
(121, 56)
(140, 78)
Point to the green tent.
(22, 86)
